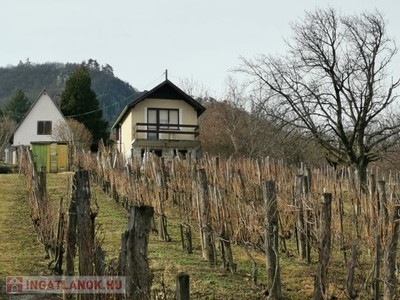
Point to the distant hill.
(112, 92)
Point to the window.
(44, 127)
(165, 119)
(173, 118)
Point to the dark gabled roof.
(165, 90)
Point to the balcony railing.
(158, 131)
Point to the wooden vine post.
(377, 268)
(371, 205)
(300, 222)
(85, 225)
(80, 216)
(205, 219)
(383, 222)
(85, 234)
(59, 249)
(138, 271)
(308, 213)
(182, 287)
(390, 262)
(70, 251)
(272, 240)
(324, 249)
(162, 196)
(383, 208)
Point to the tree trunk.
(360, 176)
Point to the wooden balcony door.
(163, 119)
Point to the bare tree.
(332, 84)
(250, 133)
(7, 127)
(235, 126)
(230, 127)
(73, 132)
(235, 116)
(195, 89)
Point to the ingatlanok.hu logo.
(65, 284)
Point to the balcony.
(156, 135)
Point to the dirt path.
(20, 252)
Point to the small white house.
(38, 122)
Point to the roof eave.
(120, 117)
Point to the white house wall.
(43, 110)
(126, 135)
(187, 114)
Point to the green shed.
(52, 155)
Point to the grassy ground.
(21, 254)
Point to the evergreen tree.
(80, 102)
(17, 106)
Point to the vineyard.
(275, 232)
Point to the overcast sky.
(193, 39)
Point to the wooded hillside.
(112, 92)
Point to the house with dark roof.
(162, 121)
